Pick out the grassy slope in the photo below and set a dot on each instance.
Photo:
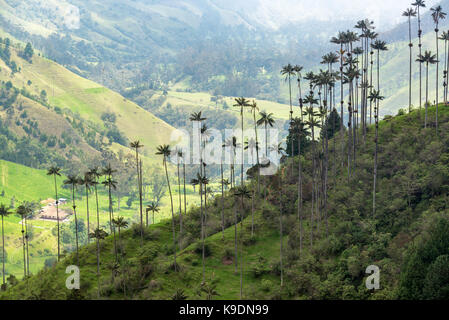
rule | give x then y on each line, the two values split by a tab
68	90
264	250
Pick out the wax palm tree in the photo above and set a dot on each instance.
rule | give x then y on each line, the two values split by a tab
252	145
56	172
87	181
242	103
419	4
28	210
289	71
379	46
437	15
137	145
153	207
376	98
22	212
198	117
266	119
254	109
445	37
203	182
165	151
297	69
298	129
120	223
110	184
179	155
98	234
73	181
241	192
409	13
280	151
222	198
4	212
340	40
312	122
427	58
95	174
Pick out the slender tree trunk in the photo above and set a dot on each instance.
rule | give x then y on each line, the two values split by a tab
27	248
427	93
184	181
172	215
281	228
180	204
140	196
257	154
436	81
222	201
24	254
410	66
87	212
420	64
76	225
57	218
3	254
300	194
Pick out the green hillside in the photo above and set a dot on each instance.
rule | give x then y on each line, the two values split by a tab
409	228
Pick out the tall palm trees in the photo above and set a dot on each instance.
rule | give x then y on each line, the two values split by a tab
437	15
95	174
110	184
22	212
427	58
73	181
137	145
4	212
98	234
376	98
254	109
445	37
379	46
179	155
410	13
419	4
56	172
280	151
153	207
242	192
165	151
243	103
87	182
340	39
289	71
266	119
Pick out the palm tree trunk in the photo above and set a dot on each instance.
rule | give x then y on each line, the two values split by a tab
172	215
98	212
111	217
87	211
427	93
299	194
98	265
3	253
24	254
222	201
57	217
235	233
436	81
27	248
76	225
140	197
184	181
257	154
420	64
180	204
410	66
281	229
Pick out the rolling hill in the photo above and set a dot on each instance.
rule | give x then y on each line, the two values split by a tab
406	238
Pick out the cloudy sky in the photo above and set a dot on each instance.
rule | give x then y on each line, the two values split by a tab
385	13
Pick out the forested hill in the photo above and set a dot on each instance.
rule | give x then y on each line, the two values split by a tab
318	252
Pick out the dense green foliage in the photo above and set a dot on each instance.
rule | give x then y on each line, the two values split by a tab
407	238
